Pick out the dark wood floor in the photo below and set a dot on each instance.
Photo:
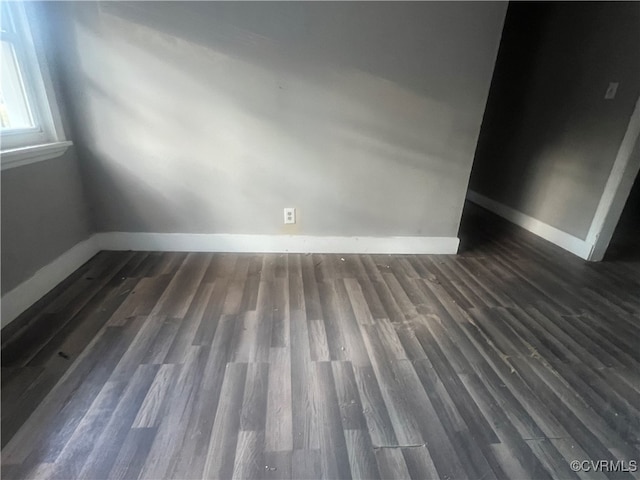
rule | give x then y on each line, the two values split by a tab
505	362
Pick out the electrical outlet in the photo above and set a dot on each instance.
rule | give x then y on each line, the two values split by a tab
612	89
289	215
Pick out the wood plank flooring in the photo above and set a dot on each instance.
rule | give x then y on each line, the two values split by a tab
507	361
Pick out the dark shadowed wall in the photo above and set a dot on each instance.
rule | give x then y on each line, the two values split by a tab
44	214
549	138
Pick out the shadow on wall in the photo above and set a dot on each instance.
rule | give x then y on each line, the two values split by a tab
195	124
549	139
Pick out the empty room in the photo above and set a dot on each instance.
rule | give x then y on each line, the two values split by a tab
320	240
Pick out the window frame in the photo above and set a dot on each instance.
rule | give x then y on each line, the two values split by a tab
47	138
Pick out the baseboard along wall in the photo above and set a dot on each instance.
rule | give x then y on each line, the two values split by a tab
575	245
19	299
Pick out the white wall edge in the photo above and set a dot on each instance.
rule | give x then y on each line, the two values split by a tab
237	243
616	190
575	245
19	299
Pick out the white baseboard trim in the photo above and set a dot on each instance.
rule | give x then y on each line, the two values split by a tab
44	280
194	242
575	245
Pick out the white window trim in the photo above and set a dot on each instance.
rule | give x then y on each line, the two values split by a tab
17	157
52	142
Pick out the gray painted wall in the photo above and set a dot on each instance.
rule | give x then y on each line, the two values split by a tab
44	211
549	138
210	117
44	214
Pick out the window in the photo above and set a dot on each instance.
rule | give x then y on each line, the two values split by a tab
29	120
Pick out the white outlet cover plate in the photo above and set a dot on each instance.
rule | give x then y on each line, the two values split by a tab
289	215
612	89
